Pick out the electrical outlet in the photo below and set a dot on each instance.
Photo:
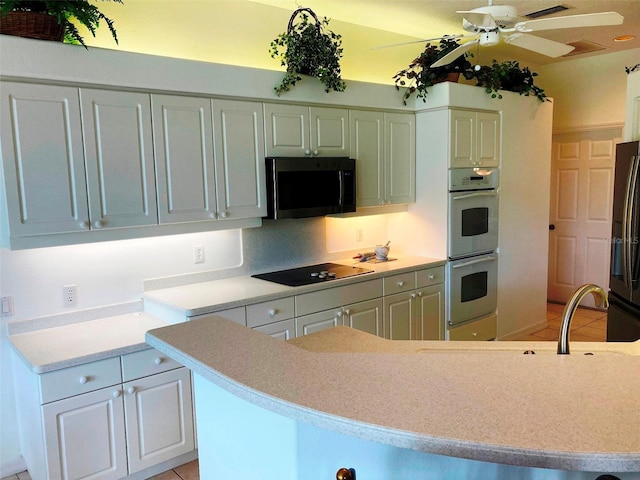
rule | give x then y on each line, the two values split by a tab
359	234
70	295
198	254
7	306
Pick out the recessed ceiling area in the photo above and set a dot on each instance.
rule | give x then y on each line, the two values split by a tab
238	32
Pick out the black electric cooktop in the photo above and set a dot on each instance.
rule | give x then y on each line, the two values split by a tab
295	277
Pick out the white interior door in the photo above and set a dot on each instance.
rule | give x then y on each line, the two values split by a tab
582	166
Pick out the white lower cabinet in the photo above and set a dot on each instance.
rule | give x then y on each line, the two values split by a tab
366	316
85	436
106	419
416	312
158	416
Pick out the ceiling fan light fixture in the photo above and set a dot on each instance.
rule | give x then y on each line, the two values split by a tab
488	39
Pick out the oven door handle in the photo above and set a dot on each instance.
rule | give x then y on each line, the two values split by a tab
492	193
474	262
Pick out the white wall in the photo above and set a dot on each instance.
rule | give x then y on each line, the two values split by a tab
589	91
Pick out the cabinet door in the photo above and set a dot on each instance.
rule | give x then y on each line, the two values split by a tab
85	436
119	158
400	158
430	314
488	139
287	130
239	153
183	139
159	418
462	138
365	316
366	130
329	131
282	330
399	321
43	159
318	321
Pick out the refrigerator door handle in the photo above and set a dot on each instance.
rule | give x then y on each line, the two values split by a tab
627	230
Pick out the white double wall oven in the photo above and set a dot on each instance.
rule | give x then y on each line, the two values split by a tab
472	244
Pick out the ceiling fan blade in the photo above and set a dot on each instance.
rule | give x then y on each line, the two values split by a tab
572	21
479	20
452	55
425	40
546	47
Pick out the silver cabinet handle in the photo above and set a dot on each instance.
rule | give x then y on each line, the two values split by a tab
98	224
83	379
158	361
401	283
131	390
272	312
116	393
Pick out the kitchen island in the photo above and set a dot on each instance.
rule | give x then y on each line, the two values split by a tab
270	409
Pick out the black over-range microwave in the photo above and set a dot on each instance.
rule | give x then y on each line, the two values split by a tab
299	187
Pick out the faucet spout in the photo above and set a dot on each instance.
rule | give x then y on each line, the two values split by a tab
600	297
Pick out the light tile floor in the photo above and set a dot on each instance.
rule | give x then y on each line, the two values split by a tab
587	326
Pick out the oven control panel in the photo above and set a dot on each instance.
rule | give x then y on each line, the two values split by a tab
473	179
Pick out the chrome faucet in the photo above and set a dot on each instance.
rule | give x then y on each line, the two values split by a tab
600	297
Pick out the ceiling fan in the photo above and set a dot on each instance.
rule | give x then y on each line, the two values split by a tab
492	23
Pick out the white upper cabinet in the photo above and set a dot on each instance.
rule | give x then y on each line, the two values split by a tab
119	158
209	157
367	147
474	139
43	159
240	165
383	145
183	136
294	130
400	153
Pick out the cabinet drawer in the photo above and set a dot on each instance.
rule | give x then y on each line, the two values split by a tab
484	329
269	312
81	379
402	282
337	297
430	276
145	363
236	314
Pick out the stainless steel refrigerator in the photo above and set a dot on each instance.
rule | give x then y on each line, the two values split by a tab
623	321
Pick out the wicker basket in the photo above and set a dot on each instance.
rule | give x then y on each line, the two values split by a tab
32	25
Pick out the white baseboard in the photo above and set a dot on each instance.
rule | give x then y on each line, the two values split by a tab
524	331
12	467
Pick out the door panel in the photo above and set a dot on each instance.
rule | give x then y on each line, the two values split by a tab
183	137
119	148
158	414
43	159
85	436
582	181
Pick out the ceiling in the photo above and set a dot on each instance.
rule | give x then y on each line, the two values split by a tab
238	32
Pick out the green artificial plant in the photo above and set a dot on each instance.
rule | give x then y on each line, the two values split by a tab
81	11
309	48
508	76
419	75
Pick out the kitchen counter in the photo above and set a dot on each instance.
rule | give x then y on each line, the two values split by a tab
53	348
457	399
206	297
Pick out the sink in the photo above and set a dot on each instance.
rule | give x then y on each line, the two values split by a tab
537	348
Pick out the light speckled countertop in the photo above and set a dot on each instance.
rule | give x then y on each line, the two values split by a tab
569	412
206	297
53	348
